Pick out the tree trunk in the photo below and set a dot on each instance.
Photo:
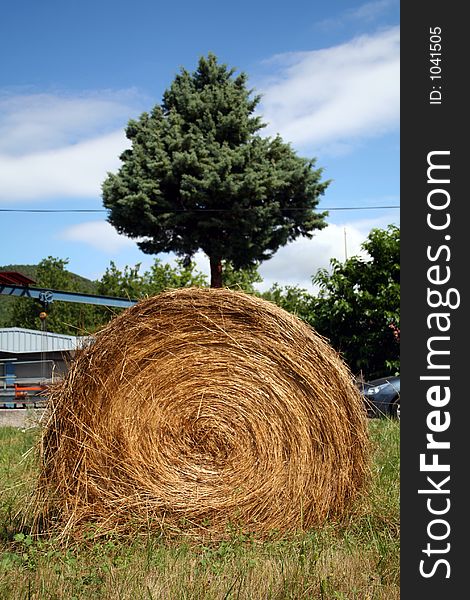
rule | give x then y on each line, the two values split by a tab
216	272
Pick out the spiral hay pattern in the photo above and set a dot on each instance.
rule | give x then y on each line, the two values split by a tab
199	410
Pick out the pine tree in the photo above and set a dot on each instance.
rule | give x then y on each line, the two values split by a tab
199	175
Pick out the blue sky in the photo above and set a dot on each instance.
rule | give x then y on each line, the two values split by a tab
73	73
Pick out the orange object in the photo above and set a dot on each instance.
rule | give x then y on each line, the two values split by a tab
22	391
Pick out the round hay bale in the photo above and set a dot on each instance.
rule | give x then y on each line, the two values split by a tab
202	410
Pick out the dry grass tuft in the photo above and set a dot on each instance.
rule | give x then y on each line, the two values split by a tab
201	410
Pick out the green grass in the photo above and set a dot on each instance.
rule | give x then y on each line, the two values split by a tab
357	559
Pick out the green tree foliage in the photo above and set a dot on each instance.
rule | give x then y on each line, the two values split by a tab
358	307
130	283
62	317
76	319
292	298
241	279
199	176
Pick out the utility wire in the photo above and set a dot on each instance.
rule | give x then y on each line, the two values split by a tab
182	210
51	210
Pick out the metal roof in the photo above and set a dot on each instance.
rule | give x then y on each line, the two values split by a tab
15	277
15	340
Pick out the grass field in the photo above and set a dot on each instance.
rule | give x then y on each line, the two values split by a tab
355	559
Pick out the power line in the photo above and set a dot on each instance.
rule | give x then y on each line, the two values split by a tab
52	210
182	210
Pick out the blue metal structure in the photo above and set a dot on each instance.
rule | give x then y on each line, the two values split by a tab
17	285
47	296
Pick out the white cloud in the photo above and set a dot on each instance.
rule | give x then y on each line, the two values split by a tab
295	263
100	235
364	13
54	146
335	95
71	171
369	11
32	123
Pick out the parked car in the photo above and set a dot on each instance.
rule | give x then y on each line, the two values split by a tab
382	396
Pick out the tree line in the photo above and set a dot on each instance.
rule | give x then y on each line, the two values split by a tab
356	307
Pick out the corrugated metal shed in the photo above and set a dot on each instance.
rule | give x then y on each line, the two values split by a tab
16	340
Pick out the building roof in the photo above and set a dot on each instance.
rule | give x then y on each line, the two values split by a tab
8	277
16	340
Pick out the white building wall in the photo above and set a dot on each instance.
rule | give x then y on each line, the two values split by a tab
15	340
